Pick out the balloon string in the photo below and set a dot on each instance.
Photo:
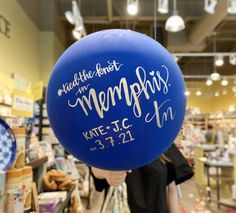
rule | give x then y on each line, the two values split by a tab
155	20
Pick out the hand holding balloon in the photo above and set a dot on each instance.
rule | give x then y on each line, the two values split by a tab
113	178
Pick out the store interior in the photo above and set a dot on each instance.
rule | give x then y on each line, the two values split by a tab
42	176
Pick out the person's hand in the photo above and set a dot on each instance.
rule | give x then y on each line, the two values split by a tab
114	178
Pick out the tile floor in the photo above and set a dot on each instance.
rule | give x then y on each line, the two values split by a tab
193	200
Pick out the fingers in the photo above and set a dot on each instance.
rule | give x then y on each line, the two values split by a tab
116	178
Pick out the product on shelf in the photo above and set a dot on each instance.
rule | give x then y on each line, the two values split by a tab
47	149
71	168
7	146
2	188
14	184
27	186
48	201
61	164
57	180
20	147
14	179
14	201
83	182
76	204
35	151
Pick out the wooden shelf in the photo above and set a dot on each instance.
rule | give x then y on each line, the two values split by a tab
5	105
61	206
38	162
228	203
7	116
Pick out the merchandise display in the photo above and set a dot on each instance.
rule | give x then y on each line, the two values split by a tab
118	106
7	146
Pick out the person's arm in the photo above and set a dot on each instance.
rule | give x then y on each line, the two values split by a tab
113	178
172	198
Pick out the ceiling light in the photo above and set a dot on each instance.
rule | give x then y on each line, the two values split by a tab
215	76
217	94
187	93
231	108
234	88
174	23
224	92
132	7
232	6
70	17
209	82
219	60
176	58
224	82
198	93
77	34
75	18
232	59
163	6
210	6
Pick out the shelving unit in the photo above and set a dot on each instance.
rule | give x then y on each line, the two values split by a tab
5	105
198	121
36	163
42	118
39	169
5	110
61	206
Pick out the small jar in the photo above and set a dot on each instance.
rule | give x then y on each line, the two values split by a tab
14	179
14	202
14	183
27	186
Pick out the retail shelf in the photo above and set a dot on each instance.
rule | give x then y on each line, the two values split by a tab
38	162
228	203
5	105
61	206
46	125
7	116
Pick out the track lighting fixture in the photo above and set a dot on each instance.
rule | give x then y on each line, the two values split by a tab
219	60
174	23
132	7
163	6
210	5
75	18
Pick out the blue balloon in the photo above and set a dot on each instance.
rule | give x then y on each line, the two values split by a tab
116	99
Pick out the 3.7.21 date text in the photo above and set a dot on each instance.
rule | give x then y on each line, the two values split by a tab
124	137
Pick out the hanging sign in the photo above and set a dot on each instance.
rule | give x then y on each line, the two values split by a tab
22	104
37	90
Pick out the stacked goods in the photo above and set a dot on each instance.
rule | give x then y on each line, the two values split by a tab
57	180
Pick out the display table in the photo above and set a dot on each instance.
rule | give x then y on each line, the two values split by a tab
61	206
228	203
218	165
199	152
207	148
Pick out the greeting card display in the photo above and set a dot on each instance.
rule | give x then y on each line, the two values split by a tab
116	100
